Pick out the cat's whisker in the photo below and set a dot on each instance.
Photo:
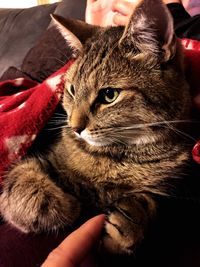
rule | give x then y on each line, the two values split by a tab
58	117
116	140
60	114
110	139
57	59
59	127
180	133
57	120
118	129
124	136
56	49
159	123
119	141
55	124
128	132
51	125
64	121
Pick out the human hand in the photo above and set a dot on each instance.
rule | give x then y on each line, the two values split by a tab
77	246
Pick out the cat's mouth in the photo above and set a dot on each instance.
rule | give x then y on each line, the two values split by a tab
94	140
99	140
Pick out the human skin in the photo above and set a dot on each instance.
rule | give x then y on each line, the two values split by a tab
172	1
104	12
77	246
112	12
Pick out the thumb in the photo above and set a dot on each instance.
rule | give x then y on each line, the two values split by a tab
77	245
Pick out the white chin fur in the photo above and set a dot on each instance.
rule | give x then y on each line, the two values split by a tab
91	140
140	140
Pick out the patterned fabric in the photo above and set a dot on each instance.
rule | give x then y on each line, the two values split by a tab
192	61
25	107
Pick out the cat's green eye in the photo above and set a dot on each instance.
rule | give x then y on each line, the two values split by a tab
108	95
71	90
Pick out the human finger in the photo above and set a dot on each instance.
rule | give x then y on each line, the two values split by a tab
124	8
77	245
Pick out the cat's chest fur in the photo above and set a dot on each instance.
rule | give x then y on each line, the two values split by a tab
88	167
108	176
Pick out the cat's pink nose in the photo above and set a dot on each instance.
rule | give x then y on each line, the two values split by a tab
77	130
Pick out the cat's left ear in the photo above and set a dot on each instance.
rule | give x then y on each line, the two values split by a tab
150	30
75	32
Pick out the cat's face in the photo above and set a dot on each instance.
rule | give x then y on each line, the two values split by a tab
125	86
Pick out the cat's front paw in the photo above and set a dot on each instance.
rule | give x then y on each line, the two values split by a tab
37	204
122	235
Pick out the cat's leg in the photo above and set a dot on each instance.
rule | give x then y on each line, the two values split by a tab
33	203
127	223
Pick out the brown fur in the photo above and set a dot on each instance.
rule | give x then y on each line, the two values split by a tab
123	168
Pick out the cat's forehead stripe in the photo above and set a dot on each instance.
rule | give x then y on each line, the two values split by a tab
95	65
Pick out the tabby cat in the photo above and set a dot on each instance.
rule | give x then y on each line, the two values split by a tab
125	97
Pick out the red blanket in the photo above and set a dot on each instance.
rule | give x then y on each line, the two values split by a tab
26	106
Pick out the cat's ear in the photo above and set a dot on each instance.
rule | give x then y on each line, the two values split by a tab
75	32
150	30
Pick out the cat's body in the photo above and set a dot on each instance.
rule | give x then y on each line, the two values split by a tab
125	96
